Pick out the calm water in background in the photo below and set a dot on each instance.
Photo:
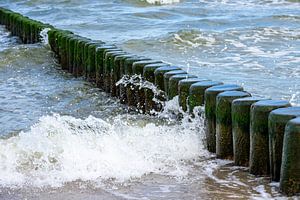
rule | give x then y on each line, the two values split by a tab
62	138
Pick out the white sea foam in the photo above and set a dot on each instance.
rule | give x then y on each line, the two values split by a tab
193	38
160	2
44	35
60	149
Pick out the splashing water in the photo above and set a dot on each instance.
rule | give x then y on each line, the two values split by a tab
141	83
60	149
44	35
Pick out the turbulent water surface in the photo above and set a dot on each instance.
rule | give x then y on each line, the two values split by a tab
61	138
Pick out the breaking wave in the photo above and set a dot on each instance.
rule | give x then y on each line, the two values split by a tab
60	149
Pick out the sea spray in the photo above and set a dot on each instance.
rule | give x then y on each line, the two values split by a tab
44	35
61	149
141	83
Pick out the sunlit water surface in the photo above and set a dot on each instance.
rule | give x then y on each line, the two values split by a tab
61	138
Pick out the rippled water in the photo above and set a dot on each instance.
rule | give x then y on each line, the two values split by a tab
64	139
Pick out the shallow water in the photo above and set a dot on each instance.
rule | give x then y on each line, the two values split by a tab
64	139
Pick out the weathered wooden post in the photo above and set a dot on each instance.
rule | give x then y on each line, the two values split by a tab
99	63
183	91
196	93
241	129
71	51
109	70
210	112
25	30
277	121
167	77
62	44
108	56
78	69
159	76
224	141
16	18
91	60
290	167
259	163
52	39
173	84
68	51
115	62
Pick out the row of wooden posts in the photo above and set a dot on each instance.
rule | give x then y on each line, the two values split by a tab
258	133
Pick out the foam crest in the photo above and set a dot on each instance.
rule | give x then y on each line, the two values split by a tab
193	38
60	149
161	2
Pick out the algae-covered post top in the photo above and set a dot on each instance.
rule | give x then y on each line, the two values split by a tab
128	64
167	76
196	93
119	59
159	75
149	70
138	67
183	90
173	83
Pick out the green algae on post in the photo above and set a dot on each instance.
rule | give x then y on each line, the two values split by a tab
52	40
196	93
79	57
91	64
224	142
210	112
138	67
149	70
183	91
240	112
290	167
159	75
168	75
259	163
62	50
173	84
72	51
89	57
99	63
277	121
108	56
114	73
